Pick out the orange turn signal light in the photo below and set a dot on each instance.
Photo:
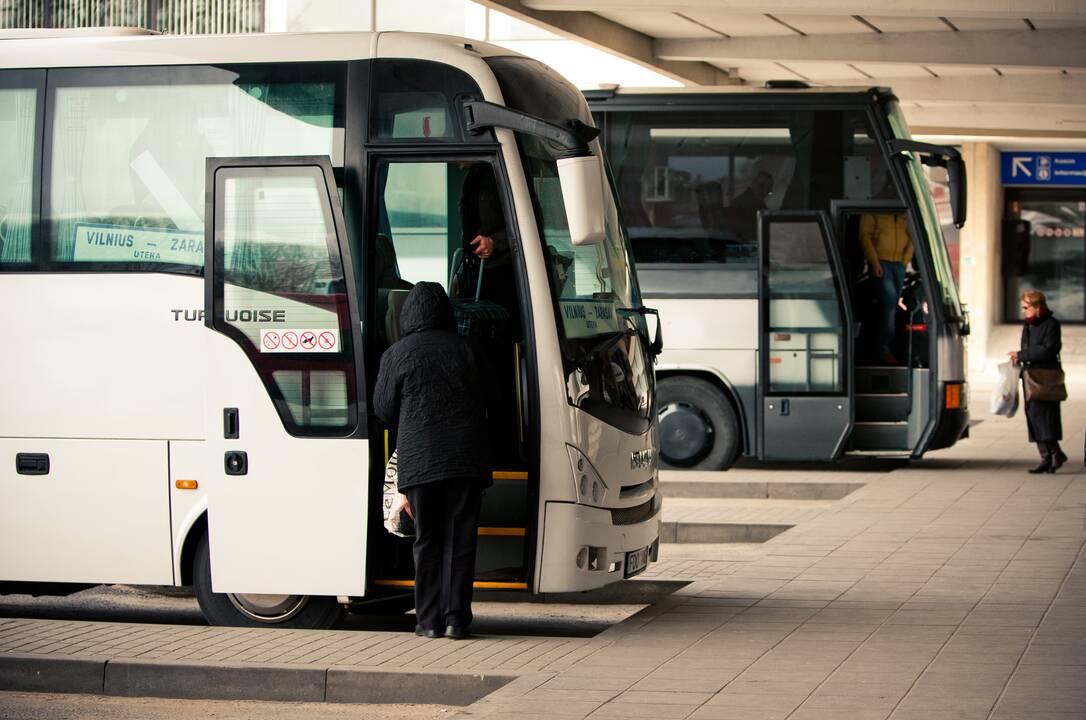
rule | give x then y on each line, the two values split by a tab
953	396
186	484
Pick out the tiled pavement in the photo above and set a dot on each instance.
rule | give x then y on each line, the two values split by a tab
954	587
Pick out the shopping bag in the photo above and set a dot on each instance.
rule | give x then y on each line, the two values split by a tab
395	508
1005	395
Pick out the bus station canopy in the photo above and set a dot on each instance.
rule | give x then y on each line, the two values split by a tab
963	67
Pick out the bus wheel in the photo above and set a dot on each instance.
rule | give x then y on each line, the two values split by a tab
308	612
698	427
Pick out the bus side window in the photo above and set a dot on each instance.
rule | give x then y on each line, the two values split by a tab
126	166
19	150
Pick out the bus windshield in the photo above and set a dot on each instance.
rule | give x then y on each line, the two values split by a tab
603	333
944	273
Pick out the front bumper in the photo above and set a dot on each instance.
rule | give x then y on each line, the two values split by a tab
569	528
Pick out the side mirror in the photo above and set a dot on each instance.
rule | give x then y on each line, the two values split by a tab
657	345
965	327
940	156
955	170
582	193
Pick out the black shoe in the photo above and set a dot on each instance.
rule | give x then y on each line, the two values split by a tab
456	632
1057	462
424	632
1044	467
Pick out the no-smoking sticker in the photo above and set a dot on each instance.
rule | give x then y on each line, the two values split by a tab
299	341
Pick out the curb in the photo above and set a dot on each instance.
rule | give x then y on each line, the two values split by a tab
753	490
709	532
222	681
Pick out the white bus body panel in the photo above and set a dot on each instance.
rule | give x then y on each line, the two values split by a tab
104	377
99	516
101	356
707	324
188	461
296	522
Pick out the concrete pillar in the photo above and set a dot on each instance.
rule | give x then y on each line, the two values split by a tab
981	267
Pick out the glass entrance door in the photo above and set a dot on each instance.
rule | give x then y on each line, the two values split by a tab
1044	248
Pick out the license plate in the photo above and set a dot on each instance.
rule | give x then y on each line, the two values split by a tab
636	562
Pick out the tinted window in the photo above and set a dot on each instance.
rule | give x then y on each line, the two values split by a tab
19	112
126	172
419	100
692	183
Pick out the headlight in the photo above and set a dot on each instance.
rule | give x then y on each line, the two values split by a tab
587	483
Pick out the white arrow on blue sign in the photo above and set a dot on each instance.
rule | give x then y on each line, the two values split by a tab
1018	165
1023	167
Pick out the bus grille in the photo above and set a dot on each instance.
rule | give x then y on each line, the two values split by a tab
634	515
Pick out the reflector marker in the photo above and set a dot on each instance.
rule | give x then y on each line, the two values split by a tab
509	475
480	584
502	531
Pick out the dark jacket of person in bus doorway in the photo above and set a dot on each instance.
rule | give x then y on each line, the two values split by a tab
432	388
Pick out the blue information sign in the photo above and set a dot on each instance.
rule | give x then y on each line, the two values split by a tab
1043	168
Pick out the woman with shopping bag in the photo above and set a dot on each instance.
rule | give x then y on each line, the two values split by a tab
1042	380
431	388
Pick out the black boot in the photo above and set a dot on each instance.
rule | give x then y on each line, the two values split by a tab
1057	458
1046	460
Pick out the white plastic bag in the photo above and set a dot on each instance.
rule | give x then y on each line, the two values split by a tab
396	510
1005	395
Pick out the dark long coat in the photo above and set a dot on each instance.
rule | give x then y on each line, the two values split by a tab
1041	343
433	389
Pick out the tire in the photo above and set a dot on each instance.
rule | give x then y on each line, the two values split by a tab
305	612
698	426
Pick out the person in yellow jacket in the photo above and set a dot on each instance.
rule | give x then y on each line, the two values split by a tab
888	249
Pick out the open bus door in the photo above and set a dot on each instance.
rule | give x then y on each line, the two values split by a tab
286	422
806	339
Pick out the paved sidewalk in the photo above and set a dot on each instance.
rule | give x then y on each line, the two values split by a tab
954	587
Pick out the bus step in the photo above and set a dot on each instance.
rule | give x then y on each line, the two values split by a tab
882	407
478	584
891	454
882	380
880	436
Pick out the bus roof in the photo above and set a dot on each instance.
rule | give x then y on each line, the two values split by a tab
98	47
39	33
630	92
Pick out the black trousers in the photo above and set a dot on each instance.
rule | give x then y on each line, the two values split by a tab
446	524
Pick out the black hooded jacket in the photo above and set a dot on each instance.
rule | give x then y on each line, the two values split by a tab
432	389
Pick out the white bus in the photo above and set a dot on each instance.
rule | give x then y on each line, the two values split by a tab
205	245
746	209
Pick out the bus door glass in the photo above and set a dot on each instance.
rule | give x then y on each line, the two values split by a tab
289	457
806	339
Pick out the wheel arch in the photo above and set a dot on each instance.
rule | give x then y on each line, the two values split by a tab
188	548
720	382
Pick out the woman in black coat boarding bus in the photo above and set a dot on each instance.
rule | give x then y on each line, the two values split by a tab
432	389
1040	350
